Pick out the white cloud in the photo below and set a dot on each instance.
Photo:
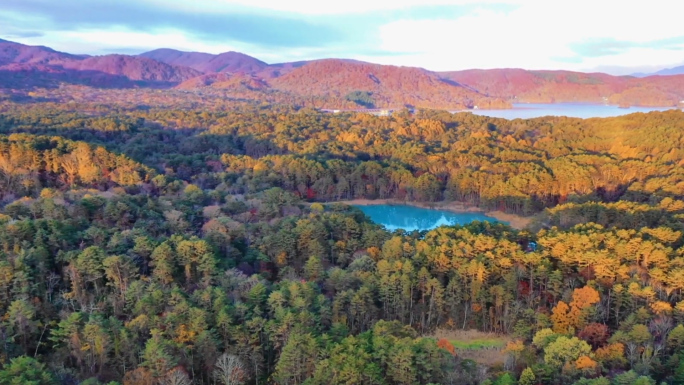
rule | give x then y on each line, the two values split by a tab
535	35
113	41
324	7
104	40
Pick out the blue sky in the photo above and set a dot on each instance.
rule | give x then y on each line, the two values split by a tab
602	35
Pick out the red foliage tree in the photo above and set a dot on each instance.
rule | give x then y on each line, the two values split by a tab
595	334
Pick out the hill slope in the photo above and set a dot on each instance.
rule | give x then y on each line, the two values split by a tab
389	86
671	71
330	82
134	68
204	62
11	52
37	66
565	86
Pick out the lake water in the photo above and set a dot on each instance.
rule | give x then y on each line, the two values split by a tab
576	110
410	218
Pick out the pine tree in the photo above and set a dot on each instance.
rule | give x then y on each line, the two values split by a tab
527	377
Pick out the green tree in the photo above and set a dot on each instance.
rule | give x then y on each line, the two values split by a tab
313	269
157	356
565	350
505	379
25	371
527	377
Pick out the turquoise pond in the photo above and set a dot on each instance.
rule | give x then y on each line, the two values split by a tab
410	218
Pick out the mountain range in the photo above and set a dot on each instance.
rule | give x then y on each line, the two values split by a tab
330	83
664	72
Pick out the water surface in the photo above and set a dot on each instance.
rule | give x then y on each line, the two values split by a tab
576	110
410	218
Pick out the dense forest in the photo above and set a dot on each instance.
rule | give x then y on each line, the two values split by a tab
202	242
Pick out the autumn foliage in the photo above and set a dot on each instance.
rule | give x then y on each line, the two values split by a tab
571	317
443	343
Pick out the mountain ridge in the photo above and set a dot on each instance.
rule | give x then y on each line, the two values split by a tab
230	61
331	83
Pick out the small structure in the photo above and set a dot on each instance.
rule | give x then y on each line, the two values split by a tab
384	112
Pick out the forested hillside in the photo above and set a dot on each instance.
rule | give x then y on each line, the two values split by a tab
182	238
326	83
567	87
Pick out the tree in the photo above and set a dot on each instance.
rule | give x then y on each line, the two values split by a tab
612	355
175	376
595	334
21	316
229	370
139	376
675	338
163	263
586	364
564	350
505	379
25	371
527	377
679	373
119	271
156	356
362	98
543	338
297	361
313	268
400	366
443	343
574	315
632	378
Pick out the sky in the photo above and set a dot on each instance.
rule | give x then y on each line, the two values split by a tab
618	37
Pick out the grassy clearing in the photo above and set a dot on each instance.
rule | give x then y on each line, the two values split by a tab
484	348
478	344
472	339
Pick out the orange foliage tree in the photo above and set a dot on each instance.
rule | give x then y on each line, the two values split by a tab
566	316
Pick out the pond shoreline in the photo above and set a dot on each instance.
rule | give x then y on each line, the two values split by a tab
516	221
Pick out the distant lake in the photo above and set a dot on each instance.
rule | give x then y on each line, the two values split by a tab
576	110
410	218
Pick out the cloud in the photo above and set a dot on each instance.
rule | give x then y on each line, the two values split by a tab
22	34
263	29
221	21
334	8
434	34
610	46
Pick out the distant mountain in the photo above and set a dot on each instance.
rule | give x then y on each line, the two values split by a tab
179	58
204	62
526	86
37	66
20	76
388	86
664	72
11	52
331	83
134	68
671	71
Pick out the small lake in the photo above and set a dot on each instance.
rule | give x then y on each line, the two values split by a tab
575	110
410	218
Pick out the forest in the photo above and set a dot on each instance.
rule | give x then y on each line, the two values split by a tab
182	239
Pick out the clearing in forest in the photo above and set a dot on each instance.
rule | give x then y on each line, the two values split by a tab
484	348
